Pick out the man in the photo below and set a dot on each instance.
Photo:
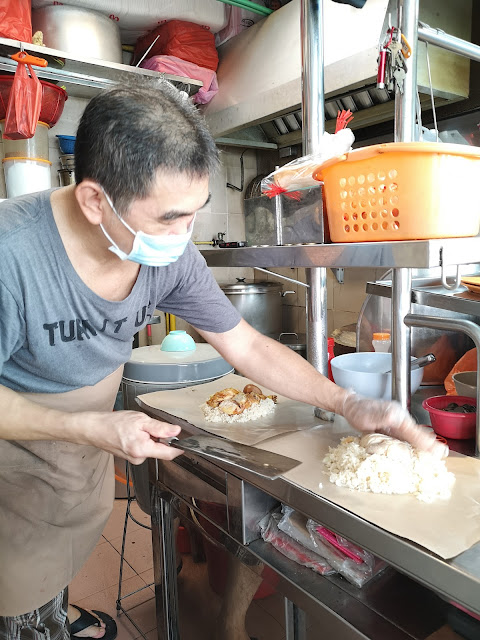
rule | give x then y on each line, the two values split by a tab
82	269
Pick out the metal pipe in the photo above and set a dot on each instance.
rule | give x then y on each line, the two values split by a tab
443	40
313	116
405	131
406	100
277	275
401	304
468	327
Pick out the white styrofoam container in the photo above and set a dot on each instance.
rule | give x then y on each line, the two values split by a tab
136	17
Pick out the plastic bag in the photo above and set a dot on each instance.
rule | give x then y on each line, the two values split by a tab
16	20
175	66
298	174
290	548
238	21
352	562
184	40
24	104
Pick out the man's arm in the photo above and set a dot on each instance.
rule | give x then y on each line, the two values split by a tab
127	434
269	363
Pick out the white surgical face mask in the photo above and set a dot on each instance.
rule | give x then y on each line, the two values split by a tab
153	251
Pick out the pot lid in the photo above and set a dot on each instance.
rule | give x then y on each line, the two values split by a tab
249	286
150	364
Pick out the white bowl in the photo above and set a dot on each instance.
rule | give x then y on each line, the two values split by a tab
364	372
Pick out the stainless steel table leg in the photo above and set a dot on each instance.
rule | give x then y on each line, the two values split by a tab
401	304
295	622
164	565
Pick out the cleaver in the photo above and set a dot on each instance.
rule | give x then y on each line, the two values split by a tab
262	463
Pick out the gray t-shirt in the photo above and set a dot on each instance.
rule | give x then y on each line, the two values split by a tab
56	334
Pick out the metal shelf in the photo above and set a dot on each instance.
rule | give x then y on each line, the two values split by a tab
419	254
460	301
82	76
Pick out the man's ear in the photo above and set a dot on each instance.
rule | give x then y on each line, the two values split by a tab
91	200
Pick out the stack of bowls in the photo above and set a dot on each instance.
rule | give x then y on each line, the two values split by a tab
66	173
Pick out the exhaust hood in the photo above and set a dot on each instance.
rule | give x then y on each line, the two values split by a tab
259	75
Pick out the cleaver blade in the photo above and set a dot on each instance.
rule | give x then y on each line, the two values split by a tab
262	463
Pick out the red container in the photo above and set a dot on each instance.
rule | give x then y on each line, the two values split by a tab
53	100
458	426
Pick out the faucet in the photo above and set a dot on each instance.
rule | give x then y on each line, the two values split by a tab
468	327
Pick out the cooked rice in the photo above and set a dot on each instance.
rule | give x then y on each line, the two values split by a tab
418	473
258	410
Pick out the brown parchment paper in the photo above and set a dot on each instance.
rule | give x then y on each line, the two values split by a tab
185	403
445	527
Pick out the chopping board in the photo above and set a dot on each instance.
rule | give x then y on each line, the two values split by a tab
288	415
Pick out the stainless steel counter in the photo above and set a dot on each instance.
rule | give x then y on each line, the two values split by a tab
418	254
457	580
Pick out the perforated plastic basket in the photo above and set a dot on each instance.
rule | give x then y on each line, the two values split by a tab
403	191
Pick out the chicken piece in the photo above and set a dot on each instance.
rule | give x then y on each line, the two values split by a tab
230	408
387	446
245	400
251	388
220	396
274	398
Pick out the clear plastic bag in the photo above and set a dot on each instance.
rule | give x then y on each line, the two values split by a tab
304	530
355	564
297	174
290	548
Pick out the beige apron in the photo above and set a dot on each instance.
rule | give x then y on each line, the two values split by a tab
55	498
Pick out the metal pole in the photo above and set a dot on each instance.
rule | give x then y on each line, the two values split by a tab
450	43
313	117
164	564
405	131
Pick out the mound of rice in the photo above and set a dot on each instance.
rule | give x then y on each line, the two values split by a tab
259	410
393	467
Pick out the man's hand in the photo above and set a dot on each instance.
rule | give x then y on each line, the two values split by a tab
128	434
388	417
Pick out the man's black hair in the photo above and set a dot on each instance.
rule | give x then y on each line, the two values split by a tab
129	132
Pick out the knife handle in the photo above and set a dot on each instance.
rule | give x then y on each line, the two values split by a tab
167	441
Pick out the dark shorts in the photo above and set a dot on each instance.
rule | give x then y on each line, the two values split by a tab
49	622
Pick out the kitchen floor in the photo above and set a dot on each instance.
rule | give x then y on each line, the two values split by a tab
96	585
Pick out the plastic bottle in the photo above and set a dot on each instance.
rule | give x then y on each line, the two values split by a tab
381	342
330	343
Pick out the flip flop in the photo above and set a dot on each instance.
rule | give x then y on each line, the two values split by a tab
86	620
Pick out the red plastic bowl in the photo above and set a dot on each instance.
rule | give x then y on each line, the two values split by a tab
459	426
53	100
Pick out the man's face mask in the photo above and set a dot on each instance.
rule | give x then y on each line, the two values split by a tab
153	251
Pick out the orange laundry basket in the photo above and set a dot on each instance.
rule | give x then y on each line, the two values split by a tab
402	191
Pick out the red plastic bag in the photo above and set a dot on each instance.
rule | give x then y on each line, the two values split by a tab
185	40
24	104
16	20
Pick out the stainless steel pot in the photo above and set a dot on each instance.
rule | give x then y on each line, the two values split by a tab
259	303
78	31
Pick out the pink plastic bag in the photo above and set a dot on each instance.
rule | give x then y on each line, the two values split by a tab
178	67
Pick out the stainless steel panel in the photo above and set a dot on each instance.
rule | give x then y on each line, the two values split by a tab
420	254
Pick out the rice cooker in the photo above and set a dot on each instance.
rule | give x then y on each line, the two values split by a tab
151	369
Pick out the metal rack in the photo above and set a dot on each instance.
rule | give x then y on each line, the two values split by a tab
82	76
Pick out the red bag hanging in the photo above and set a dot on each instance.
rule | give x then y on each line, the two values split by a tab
185	40
24	104
16	20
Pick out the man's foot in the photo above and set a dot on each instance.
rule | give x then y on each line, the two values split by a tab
91	624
